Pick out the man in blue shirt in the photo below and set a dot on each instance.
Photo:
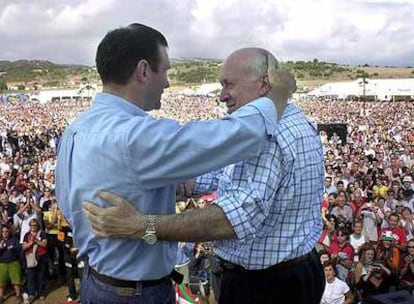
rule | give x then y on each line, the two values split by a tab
267	216
117	146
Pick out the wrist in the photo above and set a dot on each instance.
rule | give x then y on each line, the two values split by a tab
139	229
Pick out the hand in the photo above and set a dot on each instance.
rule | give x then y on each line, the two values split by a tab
121	220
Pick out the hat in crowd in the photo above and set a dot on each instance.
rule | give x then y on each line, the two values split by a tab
387	236
407	179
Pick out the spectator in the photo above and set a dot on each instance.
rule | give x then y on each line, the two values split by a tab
357	239
329	188
399	235
343	212
343	253
7	210
388	252
366	259
35	241
378	280
407	222
336	291
407	268
370	217
10	268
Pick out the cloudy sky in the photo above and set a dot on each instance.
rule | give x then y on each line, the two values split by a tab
377	32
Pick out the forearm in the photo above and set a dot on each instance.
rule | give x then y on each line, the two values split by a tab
198	225
42	243
349	298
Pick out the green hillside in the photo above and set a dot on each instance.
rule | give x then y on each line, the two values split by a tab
187	72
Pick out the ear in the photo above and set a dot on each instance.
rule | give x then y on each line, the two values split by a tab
265	86
141	72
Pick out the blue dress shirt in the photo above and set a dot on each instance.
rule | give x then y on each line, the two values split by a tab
272	200
115	145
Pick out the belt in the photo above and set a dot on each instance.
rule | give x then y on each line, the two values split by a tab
124	283
278	267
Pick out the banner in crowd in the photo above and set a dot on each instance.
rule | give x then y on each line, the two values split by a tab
13	98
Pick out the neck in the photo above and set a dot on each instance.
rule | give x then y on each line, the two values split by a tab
330	280
125	92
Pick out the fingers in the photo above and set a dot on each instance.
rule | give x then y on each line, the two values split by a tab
91	209
112	198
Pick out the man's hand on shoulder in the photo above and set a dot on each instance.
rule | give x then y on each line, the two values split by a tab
121	220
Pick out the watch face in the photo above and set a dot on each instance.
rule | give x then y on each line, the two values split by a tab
150	238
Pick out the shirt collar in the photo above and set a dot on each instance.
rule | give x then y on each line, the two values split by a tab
266	108
118	102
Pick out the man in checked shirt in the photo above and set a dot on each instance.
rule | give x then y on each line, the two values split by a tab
266	220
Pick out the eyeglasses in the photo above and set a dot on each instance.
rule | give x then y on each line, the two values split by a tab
33	225
5	231
410	247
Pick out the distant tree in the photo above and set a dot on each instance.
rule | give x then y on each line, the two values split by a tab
84	79
21	87
366	65
315	61
412	72
3	85
300	75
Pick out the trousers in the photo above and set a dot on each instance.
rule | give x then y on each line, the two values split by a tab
302	283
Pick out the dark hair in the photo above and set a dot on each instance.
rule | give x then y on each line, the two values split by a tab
324	251
329	263
344	231
121	49
395	215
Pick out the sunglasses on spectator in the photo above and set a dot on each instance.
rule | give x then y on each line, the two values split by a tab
33	225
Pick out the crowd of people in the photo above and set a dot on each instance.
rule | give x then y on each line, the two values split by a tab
367	242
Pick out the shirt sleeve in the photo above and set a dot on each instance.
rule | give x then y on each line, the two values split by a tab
207	182
161	152
245	192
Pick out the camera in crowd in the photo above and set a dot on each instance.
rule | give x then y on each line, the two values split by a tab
376	267
205	248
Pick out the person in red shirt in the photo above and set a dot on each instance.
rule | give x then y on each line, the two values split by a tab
343	253
399	235
357	202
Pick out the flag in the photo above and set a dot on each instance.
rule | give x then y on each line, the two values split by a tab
185	296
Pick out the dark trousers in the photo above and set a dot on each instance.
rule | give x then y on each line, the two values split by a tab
72	272
302	283
55	253
36	277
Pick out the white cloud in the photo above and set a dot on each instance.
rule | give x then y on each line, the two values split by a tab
347	31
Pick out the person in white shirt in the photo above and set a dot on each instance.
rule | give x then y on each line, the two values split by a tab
357	239
336	291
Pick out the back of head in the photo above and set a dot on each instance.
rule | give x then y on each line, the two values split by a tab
121	49
261	62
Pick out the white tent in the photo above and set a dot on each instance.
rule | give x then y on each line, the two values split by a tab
382	89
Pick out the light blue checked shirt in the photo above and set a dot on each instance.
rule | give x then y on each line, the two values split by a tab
273	201
115	145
